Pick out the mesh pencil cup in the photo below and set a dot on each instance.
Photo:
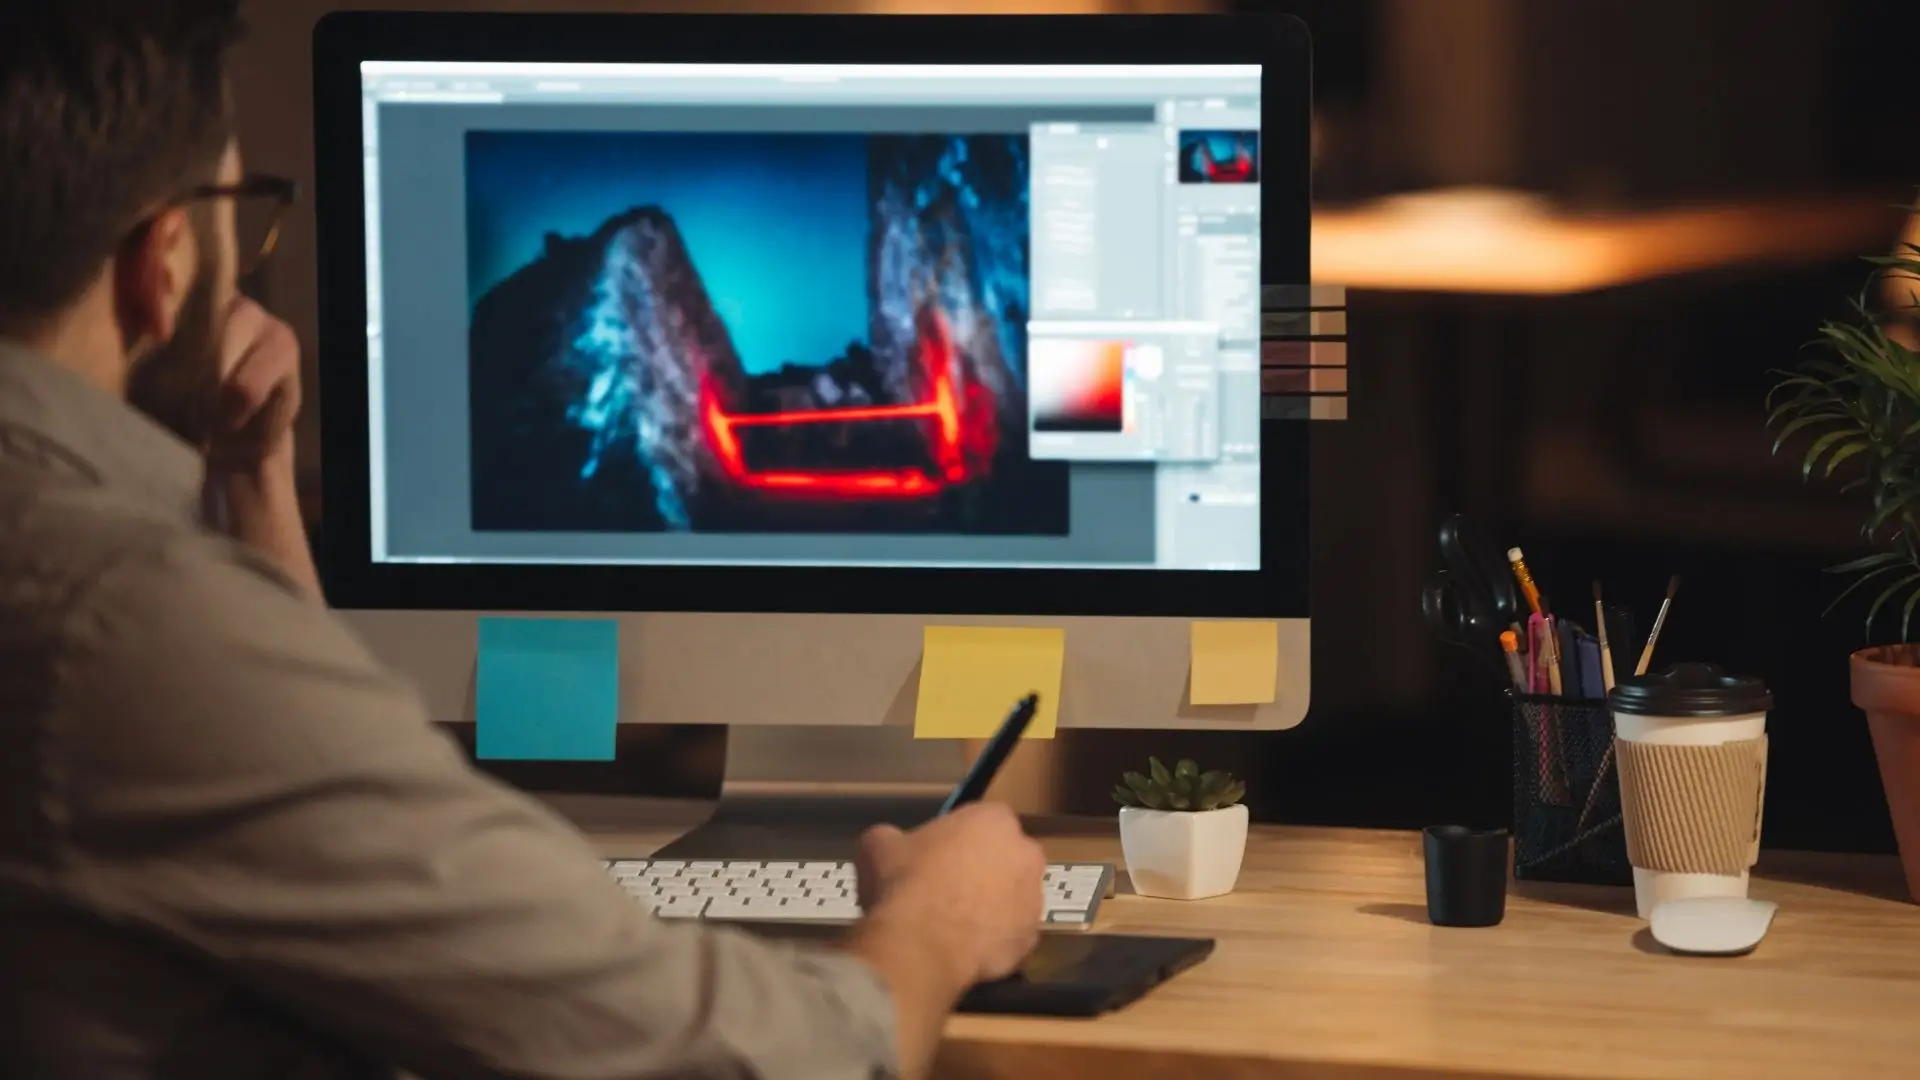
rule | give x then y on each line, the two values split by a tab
1566	793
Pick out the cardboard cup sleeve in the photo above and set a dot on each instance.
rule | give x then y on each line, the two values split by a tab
1693	809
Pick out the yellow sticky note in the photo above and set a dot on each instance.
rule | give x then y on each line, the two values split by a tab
1235	663
971	677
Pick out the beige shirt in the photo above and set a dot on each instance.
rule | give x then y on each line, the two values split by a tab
232	846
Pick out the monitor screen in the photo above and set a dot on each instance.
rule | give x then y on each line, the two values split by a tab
929	316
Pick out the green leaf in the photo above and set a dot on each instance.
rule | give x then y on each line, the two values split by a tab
1879	559
1234	793
1845	452
1800	424
1153	800
1906	616
1186	768
1806	403
1161	777
1184	785
1137	782
1125	796
1885	508
1213	781
1894	563
1888	594
1819	449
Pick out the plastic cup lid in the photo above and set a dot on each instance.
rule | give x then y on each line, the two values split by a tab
1691	690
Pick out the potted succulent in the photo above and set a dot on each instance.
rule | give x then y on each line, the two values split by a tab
1857	402
1183	831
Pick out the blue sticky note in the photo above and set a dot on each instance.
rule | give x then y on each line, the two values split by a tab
547	689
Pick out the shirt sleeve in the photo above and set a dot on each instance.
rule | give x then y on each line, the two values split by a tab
243	779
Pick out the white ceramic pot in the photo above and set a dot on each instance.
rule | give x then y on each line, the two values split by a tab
1182	855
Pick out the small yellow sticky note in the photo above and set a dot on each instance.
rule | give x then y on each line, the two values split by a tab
1235	663
971	677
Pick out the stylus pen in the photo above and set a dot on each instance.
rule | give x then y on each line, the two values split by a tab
973	787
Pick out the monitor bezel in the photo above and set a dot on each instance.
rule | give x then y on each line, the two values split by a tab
1279	589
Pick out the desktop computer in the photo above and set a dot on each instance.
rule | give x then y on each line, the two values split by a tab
784	338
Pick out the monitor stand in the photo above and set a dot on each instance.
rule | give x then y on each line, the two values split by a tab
808	793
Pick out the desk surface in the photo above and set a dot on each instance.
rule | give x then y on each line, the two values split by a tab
1326	967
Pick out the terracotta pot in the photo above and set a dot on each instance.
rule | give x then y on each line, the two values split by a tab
1886	683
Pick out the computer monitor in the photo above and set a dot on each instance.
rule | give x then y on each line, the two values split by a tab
791	335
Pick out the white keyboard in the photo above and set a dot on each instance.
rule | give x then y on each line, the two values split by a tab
817	892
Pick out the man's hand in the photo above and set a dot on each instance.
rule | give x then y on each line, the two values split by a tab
951	904
971	879
259	394
250	448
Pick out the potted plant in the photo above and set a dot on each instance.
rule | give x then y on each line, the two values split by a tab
1183	831
1858	402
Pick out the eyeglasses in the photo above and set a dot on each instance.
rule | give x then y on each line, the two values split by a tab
260	204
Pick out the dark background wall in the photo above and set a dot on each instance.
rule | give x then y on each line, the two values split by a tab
1616	435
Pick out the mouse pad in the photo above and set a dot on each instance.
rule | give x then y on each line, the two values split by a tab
1067	974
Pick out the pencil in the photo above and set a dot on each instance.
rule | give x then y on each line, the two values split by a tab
1525	577
1659	623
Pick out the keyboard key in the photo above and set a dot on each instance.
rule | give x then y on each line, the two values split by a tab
681	907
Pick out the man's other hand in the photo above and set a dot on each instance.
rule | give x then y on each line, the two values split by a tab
259	393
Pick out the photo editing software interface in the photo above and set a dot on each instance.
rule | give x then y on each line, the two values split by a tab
814	315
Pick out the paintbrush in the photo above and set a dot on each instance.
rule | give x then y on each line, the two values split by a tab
1606	651
1659	623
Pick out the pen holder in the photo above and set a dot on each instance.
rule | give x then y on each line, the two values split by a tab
1566	793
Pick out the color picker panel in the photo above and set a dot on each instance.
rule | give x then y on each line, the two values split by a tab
1078	386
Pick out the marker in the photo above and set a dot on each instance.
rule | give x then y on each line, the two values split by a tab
973	787
1510	644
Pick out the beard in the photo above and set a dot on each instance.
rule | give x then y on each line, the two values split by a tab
178	383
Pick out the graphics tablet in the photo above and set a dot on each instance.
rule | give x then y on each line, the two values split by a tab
1087	975
1067	975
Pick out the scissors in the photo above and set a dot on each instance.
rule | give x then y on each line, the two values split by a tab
1474	598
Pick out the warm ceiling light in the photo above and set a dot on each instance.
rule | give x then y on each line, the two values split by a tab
1491	241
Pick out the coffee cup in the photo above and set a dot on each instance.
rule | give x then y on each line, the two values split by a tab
1690	744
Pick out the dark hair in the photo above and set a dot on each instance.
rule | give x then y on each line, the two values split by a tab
108	109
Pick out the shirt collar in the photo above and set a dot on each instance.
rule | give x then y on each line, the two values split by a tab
55	417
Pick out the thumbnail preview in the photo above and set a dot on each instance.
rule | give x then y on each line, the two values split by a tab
752	333
1219	157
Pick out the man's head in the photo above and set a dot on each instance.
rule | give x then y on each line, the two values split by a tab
115	119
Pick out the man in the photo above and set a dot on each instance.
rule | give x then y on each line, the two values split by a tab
230	844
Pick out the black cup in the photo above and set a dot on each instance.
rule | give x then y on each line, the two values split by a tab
1466	876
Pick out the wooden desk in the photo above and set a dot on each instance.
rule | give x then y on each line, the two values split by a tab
1327	968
